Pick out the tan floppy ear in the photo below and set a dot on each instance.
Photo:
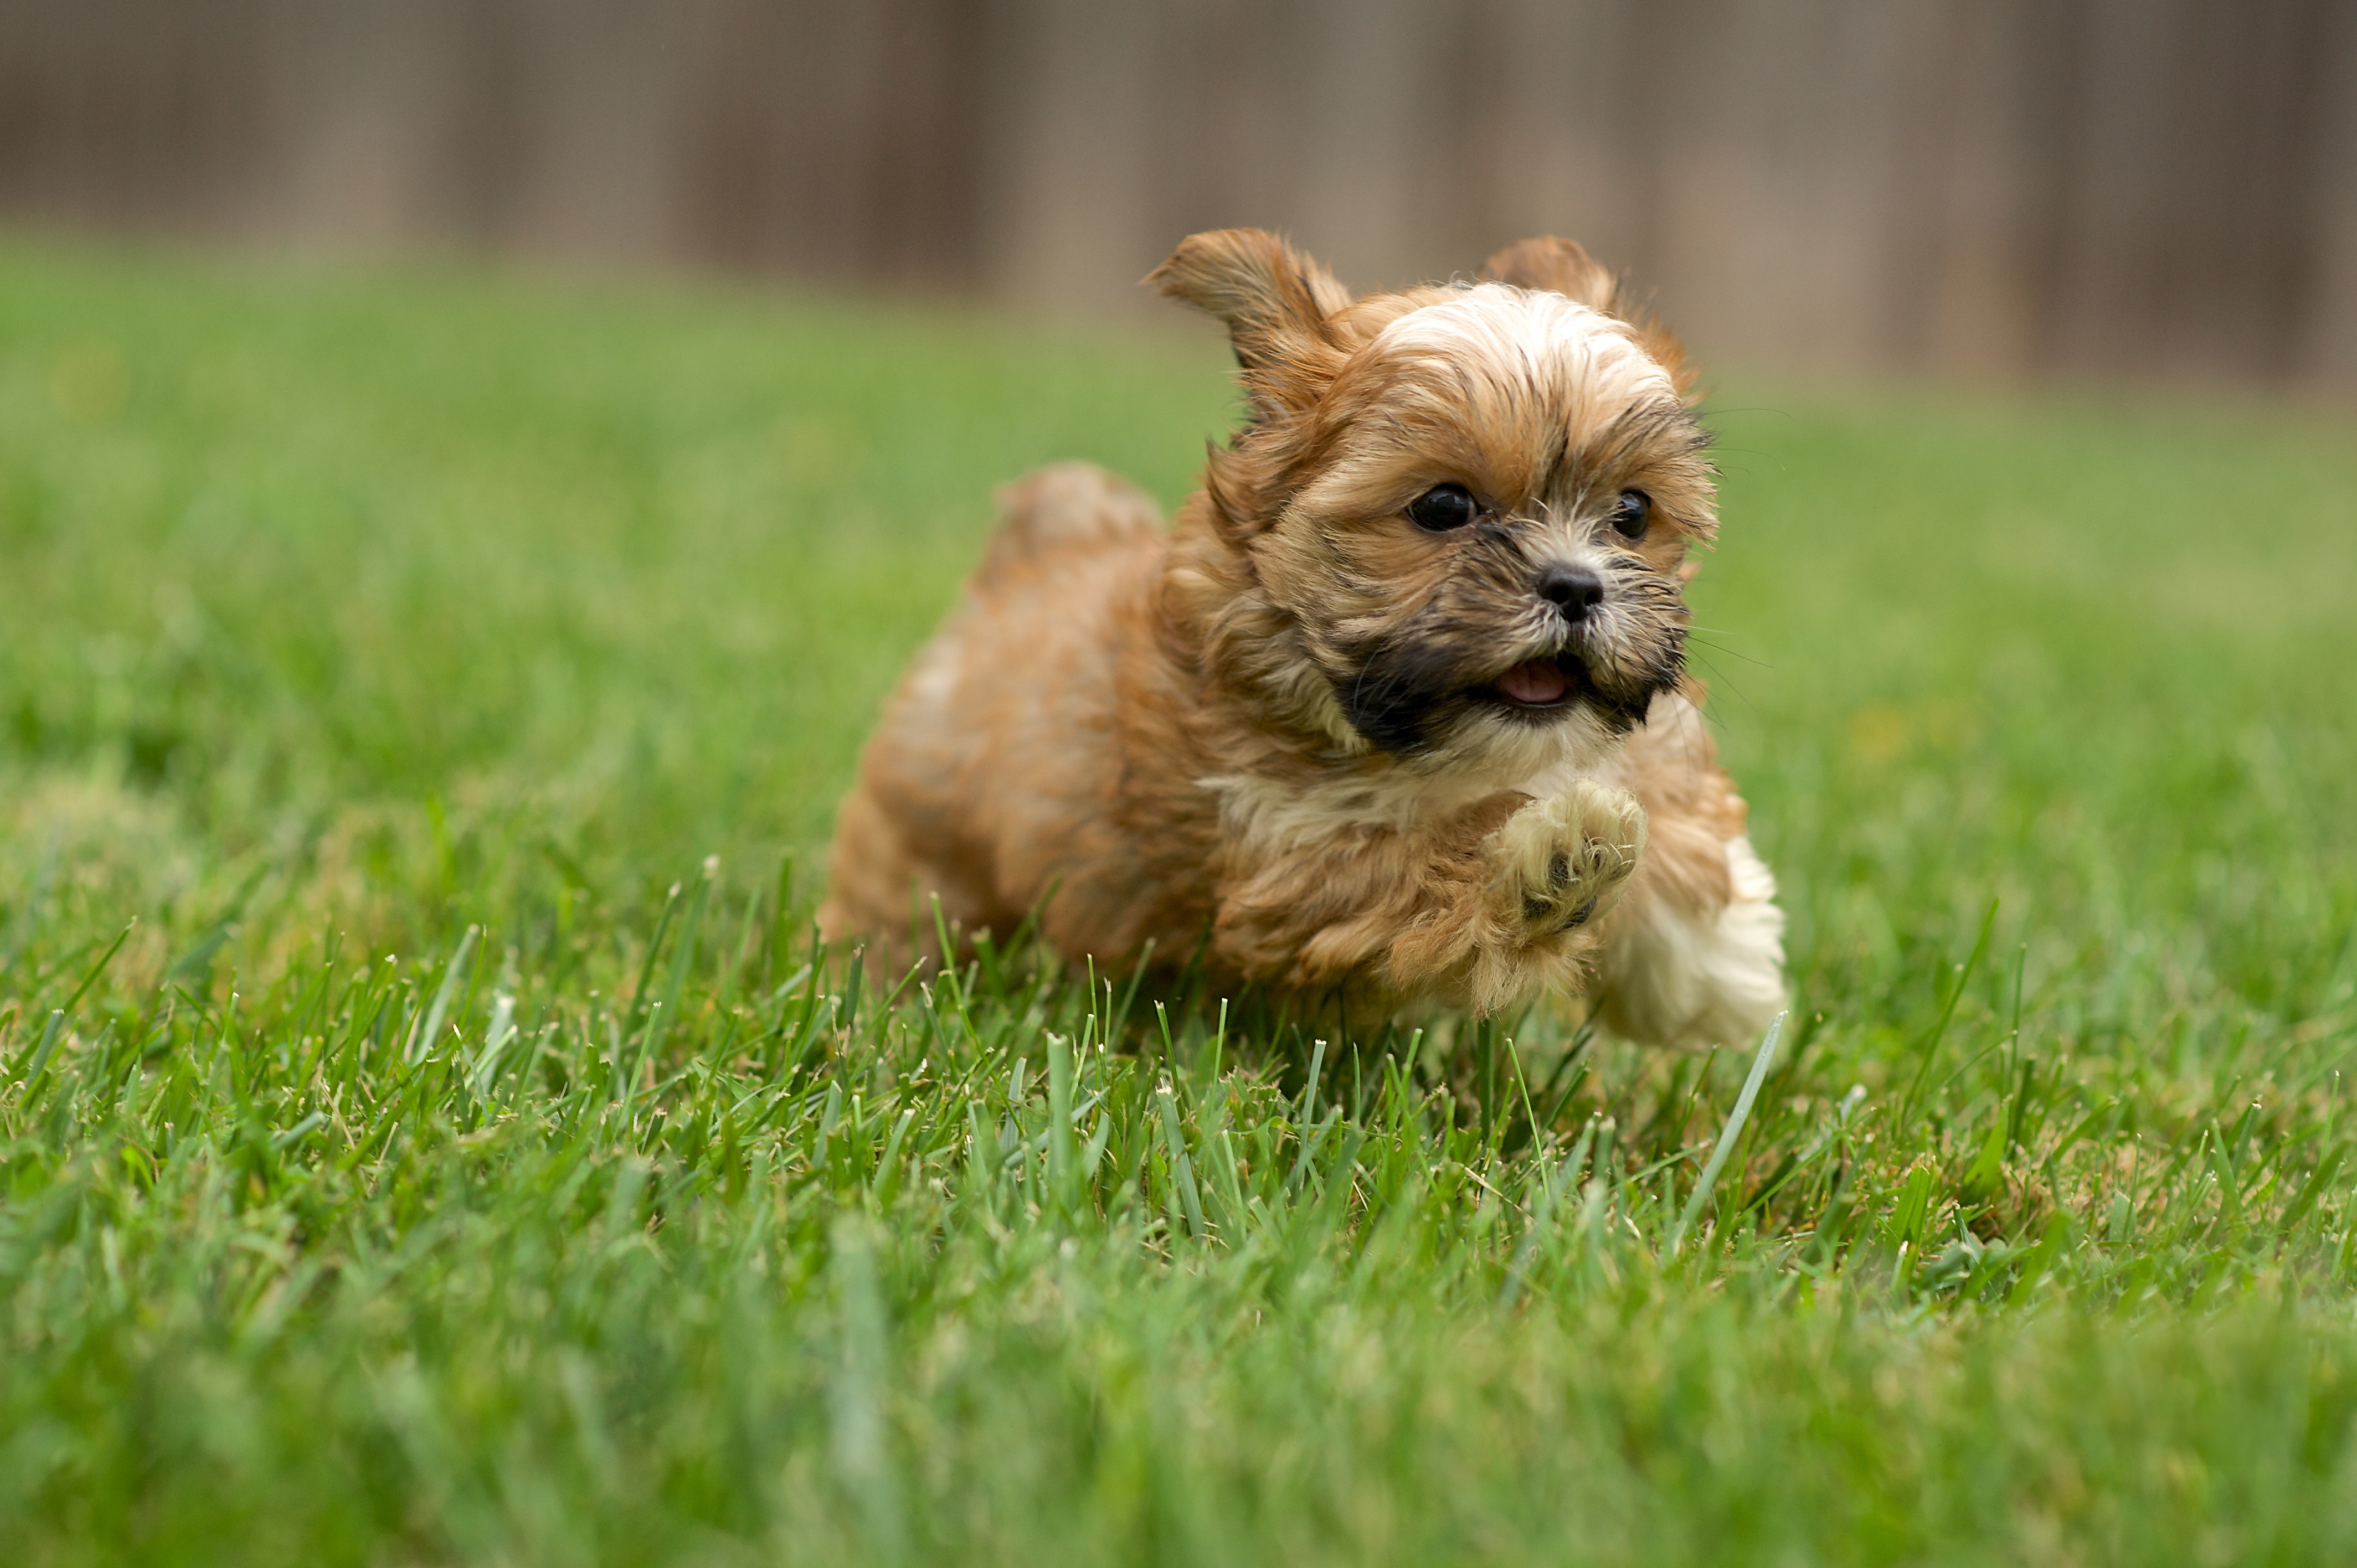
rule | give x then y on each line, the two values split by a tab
1277	302
1562	265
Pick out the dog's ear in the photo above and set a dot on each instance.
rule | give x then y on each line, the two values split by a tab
1562	265
1277	303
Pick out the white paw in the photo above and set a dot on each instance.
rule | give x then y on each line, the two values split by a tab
1671	979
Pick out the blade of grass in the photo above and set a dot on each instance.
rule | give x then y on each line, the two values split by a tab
1729	1133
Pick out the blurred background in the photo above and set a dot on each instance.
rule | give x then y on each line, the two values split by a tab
2149	188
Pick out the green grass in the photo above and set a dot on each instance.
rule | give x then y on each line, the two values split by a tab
452	1163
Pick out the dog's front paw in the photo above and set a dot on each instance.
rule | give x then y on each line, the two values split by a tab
1562	863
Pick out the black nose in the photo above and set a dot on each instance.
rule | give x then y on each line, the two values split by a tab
1574	590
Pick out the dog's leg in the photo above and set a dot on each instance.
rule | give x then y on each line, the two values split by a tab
1560	863
1476	913
880	893
1674	973
958	798
1554	871
1694	954
1479	918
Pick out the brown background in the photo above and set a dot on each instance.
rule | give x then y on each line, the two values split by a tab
2141	187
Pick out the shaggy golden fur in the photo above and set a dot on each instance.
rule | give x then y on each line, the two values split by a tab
1337	749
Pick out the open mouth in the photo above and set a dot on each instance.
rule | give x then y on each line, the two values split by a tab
1539	683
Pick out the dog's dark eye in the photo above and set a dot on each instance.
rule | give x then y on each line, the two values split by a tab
1442	507
1632	513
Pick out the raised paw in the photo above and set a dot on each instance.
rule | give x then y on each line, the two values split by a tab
1563	862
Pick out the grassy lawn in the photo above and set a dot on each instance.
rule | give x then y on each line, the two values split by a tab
428	1132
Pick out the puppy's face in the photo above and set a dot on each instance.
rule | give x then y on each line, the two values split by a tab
1465	509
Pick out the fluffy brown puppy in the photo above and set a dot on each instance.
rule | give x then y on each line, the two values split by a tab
1394	713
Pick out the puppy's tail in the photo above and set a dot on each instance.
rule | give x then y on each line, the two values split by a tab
1064	507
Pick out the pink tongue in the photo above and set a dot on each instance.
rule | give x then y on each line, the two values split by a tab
1538	682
